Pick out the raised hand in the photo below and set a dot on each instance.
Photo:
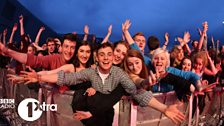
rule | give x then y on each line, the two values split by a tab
21	18
3	49
205	27
186	37
166	37
5	32
86	29
199	31
126	25
14	27
110	29
42	28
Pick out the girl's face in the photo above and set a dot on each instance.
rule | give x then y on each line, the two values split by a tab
119	53
198	64
180	55
30	50
83	54
134	65
160	62
186	66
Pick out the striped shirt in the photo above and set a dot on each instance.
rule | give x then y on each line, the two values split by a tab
116	76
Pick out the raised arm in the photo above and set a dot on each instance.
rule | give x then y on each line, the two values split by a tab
86	32
13	32
22	32
4	36
203	35
213	42
106	38
166	41
38	35
125	26
217	47
213	70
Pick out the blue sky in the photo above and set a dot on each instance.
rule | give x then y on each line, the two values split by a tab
148	16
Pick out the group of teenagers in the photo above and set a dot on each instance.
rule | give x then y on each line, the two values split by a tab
102	73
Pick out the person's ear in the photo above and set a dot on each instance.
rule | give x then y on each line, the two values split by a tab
97	58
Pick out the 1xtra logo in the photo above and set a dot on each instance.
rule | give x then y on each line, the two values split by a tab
30	109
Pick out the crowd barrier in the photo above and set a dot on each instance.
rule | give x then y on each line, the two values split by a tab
126	113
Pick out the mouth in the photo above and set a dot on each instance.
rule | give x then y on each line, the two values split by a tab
159	66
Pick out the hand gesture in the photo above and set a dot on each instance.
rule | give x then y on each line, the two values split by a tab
42	28
126	25
91	91
5	32
21	18
30	77
110	29
152	78
205	27
14	27
166	37
15	78
199	31
174	114
3	49
187	37
86	29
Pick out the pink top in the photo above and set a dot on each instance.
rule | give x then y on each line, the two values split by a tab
48	62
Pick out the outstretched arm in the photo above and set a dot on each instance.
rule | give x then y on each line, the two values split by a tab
13	32
21	57
38	35
106	38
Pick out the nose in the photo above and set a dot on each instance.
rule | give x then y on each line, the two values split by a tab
84	54
105	57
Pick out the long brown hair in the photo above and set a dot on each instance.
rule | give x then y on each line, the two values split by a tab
136	53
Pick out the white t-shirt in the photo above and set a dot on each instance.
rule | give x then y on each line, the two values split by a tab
103	76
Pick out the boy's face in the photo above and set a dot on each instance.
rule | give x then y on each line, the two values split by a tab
105	59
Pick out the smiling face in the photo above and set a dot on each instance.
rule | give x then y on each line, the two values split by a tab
105	59
160	62
198	65
83	54
68	49
186	66
134	65
119	53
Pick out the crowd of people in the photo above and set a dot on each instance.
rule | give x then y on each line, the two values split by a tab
107	71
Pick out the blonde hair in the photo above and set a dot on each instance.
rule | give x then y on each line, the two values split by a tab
159	51
201	55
